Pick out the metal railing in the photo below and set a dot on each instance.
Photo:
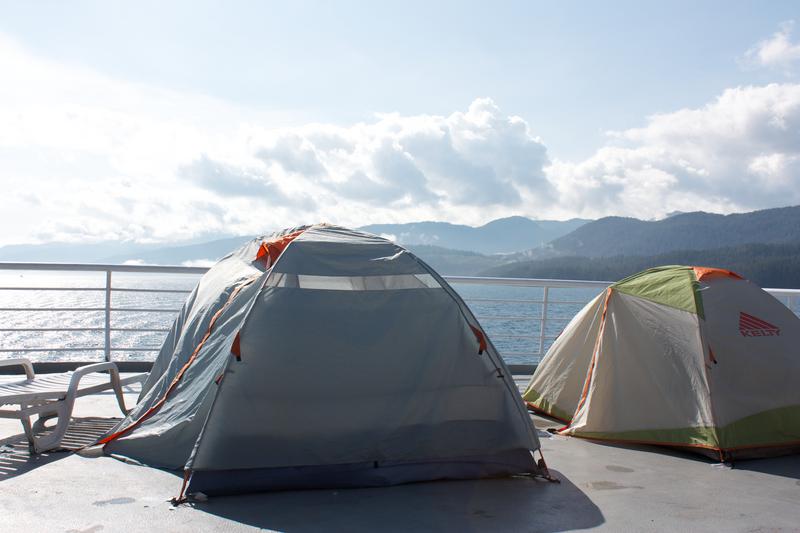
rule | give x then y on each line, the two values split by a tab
539	323
534	332
107	309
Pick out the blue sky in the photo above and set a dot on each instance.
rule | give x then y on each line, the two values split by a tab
462	111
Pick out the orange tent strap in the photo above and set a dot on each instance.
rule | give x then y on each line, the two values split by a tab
590	373
155	407
704	273
480	337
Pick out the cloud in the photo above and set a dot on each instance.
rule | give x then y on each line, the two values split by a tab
295	154
228	180
107	158
477	158
776	52
89	157
739	152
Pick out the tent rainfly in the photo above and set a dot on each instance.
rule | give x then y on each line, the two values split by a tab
325	357
681	356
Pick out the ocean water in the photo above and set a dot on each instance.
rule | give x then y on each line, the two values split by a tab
509	315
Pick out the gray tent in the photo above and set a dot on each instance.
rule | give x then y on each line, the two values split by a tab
325	357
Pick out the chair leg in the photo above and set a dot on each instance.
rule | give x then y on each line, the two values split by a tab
118	391
39	425
48	442
26	427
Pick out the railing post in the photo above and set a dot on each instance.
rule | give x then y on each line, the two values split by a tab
107	344
543	322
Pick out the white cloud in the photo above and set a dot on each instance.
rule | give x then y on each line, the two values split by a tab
87	157
90	157
777	52
478	158
737	153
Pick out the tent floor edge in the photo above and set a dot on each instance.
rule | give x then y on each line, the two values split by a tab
362	475
761	451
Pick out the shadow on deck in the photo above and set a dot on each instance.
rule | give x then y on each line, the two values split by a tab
16	458
513	504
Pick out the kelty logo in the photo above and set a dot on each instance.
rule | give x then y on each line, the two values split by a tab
750	326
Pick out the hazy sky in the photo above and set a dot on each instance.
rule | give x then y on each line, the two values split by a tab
174	120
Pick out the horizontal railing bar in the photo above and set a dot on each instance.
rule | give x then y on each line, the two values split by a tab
81	349
539	318
503	300
513	301
52	309
121	309
139	310
85	267
52	329
509	336
140	329
52	289
166	291
97	289
521	353
526	282
505	317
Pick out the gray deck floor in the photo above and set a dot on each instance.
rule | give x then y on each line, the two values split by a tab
606	487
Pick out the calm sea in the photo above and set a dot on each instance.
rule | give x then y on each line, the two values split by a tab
510	315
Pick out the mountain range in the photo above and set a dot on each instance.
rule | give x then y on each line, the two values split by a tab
505	235
501	236
611	236
762	245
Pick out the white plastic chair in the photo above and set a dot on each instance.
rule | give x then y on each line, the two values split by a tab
53	395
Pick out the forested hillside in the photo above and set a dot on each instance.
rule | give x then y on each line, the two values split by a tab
768	265
612	236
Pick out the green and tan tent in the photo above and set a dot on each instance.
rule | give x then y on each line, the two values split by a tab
680	356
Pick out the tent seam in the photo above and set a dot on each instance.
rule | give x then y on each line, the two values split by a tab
269	274
522	409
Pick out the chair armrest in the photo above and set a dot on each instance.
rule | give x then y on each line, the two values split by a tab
24	363
88	369
115	382
96	367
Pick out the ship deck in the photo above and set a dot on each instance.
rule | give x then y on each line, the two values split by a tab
633	488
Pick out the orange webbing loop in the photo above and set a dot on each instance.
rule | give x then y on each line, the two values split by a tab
236	349
271	250
481	338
